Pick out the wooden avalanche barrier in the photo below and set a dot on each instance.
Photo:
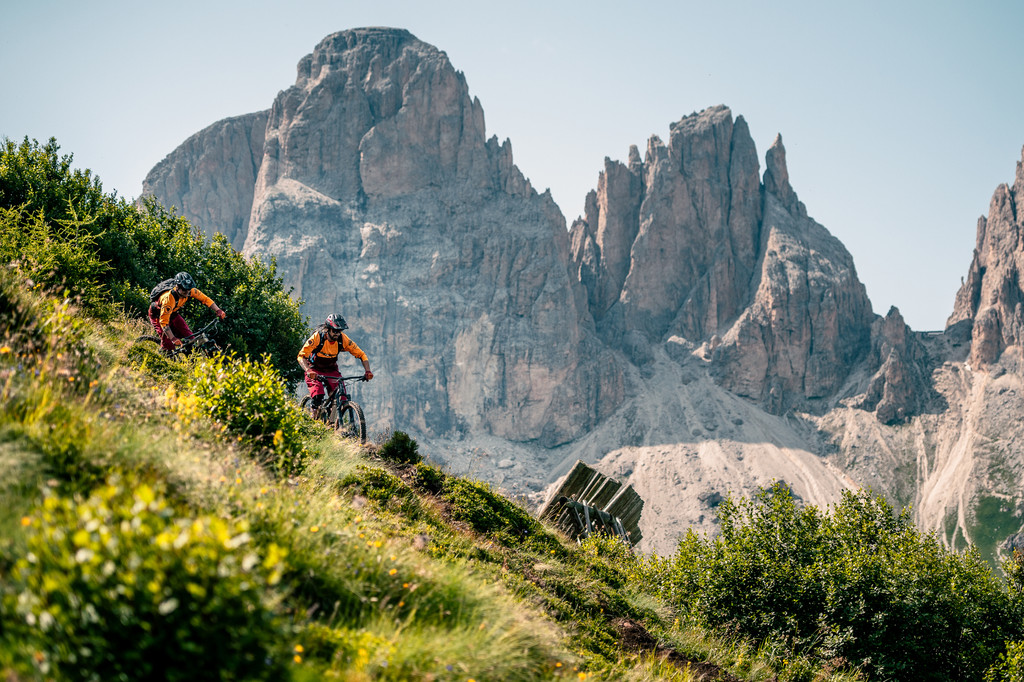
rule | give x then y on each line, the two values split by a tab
589	502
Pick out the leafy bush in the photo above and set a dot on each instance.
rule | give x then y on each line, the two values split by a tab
1010	666
378	485
120	586
428	478
400	448
252	401
62	254
353	648
861	585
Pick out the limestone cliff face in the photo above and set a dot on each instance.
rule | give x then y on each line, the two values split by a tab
210	177
668	244
809	320
689	243
380	197
901	386
991	299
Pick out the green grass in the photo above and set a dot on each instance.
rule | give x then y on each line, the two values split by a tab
994	521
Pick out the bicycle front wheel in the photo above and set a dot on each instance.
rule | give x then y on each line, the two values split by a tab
351	423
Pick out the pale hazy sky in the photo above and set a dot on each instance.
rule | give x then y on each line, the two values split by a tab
899	118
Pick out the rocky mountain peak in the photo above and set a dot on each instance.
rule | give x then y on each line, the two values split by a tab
690	244
991	300
379	196
776	178
667	245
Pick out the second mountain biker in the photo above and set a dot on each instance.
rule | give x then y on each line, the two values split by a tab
167	299
319	355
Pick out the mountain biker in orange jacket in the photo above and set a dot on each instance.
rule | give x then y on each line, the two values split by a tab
319	355
170	326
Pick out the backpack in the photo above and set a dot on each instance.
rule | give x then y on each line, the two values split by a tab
160	289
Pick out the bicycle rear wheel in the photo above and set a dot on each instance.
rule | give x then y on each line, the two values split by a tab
351	423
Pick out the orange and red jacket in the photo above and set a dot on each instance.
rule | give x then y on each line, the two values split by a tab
330	349
170	302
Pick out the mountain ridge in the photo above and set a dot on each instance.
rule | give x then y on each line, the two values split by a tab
518	344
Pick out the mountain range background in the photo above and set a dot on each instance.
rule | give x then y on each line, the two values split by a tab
694	331
897	119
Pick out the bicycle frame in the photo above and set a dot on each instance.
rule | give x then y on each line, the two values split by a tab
349	418
339	390
195	339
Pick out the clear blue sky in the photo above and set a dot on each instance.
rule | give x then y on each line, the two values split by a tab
899	118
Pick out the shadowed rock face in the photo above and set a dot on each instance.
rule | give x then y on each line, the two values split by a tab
991	297
901	386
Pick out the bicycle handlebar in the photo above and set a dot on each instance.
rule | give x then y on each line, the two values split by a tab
210	325
360	377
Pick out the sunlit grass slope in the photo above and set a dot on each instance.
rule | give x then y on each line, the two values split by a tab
142	538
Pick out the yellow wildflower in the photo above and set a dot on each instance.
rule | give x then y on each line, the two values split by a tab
26	521
314	529
393	571
4	350
297	658
299	649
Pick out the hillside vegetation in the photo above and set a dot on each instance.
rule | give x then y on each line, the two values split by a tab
183	519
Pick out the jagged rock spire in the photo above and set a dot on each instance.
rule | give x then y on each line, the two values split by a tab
991	300
776	178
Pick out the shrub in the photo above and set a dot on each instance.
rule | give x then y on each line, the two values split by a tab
62	255
252	401
349	648
400	448
1010	666
428	478
862	584
377	484
119	586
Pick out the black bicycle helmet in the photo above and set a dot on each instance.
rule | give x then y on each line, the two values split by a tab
185	281
336	322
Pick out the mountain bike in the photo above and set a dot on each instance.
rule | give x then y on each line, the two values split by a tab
201	341
337	409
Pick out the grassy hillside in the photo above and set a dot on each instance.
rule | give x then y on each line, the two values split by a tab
141	539
183	520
